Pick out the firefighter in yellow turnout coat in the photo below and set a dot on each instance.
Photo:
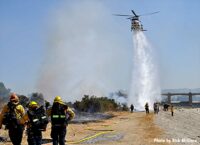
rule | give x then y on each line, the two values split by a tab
9	117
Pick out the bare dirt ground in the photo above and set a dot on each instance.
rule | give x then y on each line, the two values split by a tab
123	129
183	128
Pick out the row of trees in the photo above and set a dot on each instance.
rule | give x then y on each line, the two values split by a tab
98	104
24	100
87	104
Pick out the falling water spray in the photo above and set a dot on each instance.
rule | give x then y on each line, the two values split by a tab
145	80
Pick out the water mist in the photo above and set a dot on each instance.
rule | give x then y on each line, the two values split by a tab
145	80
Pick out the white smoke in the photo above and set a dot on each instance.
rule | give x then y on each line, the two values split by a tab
145	80
85	55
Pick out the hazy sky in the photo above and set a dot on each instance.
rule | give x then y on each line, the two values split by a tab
174	33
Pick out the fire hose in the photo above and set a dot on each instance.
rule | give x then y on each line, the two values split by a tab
90	137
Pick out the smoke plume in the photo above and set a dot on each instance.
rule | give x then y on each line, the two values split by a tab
85	54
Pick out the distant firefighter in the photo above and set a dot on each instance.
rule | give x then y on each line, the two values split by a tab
165	107
132	108
156	108
147	108
172	110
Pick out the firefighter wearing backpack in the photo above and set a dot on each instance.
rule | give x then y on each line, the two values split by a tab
60	114
36	120
9	117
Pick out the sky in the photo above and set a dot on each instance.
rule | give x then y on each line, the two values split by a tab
26	28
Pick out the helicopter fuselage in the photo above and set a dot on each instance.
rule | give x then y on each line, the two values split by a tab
136	25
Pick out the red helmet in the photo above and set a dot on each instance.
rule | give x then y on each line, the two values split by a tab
14	97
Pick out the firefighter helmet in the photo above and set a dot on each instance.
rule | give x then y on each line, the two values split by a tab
58	100
33	104
14	97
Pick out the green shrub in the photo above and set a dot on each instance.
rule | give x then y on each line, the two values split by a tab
96	104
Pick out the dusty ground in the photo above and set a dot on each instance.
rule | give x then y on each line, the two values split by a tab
183	128
123	129
135	129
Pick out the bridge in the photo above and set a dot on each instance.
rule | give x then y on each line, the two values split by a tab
169	96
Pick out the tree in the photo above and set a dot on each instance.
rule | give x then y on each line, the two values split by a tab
39	98
23	100
96	104
4	92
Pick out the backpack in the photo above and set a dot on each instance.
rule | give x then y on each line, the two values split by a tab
38	119
9	118
58	114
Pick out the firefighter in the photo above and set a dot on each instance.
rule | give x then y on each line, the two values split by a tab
132	108
60	114
156	108
147	108
35	119
9	117
172	110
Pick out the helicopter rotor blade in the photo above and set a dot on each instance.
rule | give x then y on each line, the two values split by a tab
149	13
134	13
129	18
133	17
122	15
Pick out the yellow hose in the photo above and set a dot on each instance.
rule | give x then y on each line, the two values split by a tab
88	138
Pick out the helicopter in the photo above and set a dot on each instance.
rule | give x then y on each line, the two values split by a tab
136	24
